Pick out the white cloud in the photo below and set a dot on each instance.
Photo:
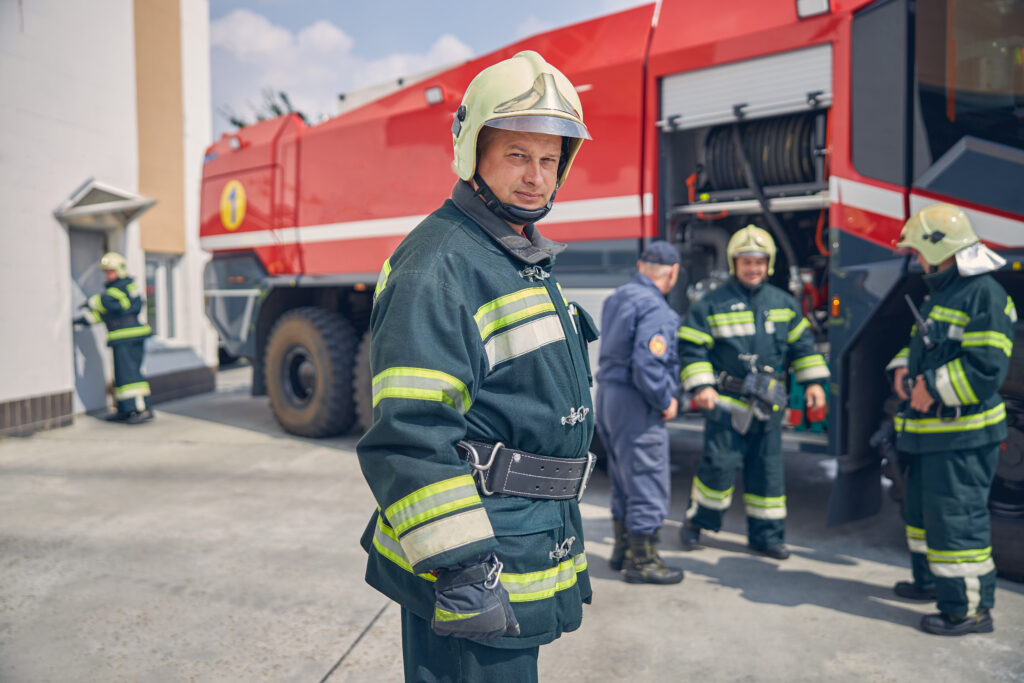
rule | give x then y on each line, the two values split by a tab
532	25
249	54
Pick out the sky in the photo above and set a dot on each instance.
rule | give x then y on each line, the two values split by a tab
313	50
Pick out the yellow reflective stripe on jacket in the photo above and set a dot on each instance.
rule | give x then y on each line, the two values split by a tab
522	339
511	308
445	615
1010	310
916	540
810	368
96	303
958	378
795	333
382	279
129	332
989	338
695	336
734	324
433	501
765	507
445	534
964	423
93	316
422	384
949	315
545	583
780	315
132	288
900	360
385	540
709	497
696	374
121	297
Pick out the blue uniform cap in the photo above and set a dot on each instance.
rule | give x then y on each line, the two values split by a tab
660	252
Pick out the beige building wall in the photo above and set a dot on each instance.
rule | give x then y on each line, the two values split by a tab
159	100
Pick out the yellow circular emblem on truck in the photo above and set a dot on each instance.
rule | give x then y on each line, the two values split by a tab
232	205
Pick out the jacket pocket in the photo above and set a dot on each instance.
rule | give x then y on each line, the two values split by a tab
650	450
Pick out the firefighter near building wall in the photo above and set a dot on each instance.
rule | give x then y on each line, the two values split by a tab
482	414
637	384
953	419
734	347
118	306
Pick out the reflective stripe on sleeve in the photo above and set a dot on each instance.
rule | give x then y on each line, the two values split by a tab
432	501
697	374
96	304
93	316
446	533
129	332
958	378
944	385
121	297
949	315
915	540
989	338
965	423
781	315
695	336
900	360
385	540
761	507
810	368
382	279
132	288
421	384
961	563
735	324
709	497
523	338
795	333
1010	310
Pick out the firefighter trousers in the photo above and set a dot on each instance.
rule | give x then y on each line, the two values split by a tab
759	453
430	658
131	390
948	527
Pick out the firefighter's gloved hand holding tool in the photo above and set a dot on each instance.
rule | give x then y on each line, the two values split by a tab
472	603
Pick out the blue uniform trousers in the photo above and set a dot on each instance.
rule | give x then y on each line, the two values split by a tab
638	457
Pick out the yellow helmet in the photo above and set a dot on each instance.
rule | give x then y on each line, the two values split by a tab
522	93
115	262
937	232
750	240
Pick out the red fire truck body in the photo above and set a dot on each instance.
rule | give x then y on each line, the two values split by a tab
829	123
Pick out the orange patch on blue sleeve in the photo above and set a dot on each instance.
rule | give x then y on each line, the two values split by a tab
657	345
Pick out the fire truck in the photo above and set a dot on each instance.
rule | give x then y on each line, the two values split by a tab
828	122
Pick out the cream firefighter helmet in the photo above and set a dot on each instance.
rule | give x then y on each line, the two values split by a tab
940	231
522	93
750	241
115	262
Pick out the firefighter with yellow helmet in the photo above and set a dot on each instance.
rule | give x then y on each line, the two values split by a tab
734	347
953	419
481	391
118	306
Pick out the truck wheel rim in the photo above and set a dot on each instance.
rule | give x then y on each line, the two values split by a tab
298	376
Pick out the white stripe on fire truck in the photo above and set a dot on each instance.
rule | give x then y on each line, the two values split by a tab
856	195
628	206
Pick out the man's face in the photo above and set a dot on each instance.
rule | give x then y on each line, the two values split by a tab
111	275
521	168
751	270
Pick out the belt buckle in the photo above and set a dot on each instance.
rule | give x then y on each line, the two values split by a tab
480	470
589	469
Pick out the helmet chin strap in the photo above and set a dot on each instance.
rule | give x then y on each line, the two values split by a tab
510	212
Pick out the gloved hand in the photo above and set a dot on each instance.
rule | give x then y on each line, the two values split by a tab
472	603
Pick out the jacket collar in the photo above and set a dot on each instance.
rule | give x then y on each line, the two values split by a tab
937	281
531	247
644	281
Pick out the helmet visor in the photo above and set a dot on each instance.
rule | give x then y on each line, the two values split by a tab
753	253
539	123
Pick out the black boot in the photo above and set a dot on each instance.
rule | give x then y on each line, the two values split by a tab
944	625
689	536
621	545
644	564
776	552
139	418
912	591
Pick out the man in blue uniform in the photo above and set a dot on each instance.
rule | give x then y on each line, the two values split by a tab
636	392
481	392
734	346
118	306
953	419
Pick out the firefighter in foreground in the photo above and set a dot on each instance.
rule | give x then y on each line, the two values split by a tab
482	410
638	380
734	346
950	373
118	306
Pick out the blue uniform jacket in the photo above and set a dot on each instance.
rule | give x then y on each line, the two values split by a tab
638	342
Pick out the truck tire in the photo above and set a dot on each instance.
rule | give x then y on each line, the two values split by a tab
308	366
363	386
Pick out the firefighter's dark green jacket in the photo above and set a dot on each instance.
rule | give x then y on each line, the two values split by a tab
118	305
471	338
971	321
734	321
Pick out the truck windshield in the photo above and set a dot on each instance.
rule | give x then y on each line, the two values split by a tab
969	75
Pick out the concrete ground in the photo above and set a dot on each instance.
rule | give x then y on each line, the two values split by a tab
210	546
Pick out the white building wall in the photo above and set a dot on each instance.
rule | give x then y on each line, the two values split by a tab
67	114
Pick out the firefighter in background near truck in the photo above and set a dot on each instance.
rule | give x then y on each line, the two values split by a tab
637	383
734	346
482	411
955	419
118	306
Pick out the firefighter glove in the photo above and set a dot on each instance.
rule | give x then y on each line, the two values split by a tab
472	603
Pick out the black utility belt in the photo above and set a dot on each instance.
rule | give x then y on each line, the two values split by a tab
511	472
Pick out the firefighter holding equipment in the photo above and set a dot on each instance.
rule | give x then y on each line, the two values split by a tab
638	380
734	347
953	419
118	306
482	413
